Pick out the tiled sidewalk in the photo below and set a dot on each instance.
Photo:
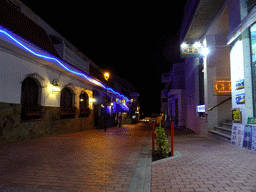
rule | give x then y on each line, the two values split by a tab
92	160
205	165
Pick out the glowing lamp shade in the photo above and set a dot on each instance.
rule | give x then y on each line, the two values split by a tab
55	88
106	76
183	45
92	100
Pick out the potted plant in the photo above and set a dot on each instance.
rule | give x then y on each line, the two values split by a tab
163	147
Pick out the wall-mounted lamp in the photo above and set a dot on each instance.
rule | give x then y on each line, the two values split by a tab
92	100
55	85
183	45
205	51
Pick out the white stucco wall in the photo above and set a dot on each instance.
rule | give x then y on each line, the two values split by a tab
13	70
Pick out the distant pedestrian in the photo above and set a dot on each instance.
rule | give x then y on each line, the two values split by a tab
120	120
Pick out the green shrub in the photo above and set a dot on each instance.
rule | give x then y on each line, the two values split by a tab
162	142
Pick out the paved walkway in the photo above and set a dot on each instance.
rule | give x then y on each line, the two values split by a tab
205	165
118	160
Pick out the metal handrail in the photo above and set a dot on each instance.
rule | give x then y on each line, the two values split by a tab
219	104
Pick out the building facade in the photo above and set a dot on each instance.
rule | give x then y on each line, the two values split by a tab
173	96
222	80
47	86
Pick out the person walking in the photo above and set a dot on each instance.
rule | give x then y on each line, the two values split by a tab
120	120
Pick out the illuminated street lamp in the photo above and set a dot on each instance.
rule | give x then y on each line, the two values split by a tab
106	76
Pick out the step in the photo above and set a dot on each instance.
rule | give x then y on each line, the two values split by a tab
229	121
223	128
227	125
221	134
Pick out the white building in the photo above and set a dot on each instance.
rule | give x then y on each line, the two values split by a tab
173	96
45	86
227	30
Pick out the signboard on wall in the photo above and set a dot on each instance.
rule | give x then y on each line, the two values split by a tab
251	120
190	51
236	115
222	86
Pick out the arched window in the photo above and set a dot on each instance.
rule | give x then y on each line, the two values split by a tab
84	105
66	104
30	107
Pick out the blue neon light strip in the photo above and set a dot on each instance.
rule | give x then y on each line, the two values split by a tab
60	63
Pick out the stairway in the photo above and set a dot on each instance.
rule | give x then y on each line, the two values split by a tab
223	131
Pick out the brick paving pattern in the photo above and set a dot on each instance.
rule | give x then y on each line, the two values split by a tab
205	165
86	161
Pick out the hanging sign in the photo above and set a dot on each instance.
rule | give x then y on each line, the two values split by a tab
190	51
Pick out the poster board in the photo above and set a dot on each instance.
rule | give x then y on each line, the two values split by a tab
236	115
237	135
249	141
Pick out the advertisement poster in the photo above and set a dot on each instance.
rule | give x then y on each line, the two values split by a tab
236	115
237	134
239	84
247	143
251	120
253	138
240	98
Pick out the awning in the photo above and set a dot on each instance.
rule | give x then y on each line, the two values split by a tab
247	22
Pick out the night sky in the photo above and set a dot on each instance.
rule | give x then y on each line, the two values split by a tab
136	41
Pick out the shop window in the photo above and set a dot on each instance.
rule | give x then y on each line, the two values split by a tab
67	110
201	84
84	105
253	59
30	107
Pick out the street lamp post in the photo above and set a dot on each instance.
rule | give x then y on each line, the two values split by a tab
106	77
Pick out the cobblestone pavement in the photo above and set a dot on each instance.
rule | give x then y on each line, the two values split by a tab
86	161
205	165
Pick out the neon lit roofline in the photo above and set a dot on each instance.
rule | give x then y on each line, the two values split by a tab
60	63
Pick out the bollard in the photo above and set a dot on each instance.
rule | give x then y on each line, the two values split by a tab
172	134
153	136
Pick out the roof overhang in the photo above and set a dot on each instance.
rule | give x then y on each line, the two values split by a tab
247	22
13	43
205	13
